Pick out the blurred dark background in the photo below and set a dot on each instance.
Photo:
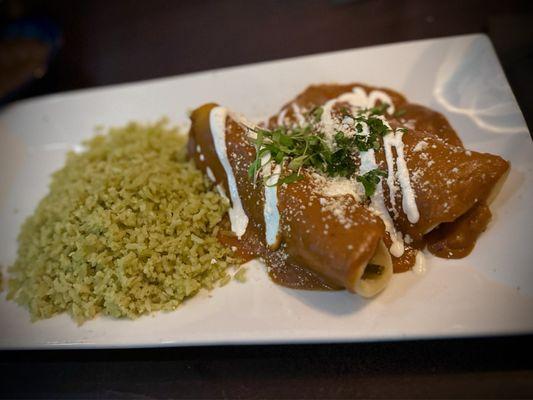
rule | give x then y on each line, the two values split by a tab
101	42
104	41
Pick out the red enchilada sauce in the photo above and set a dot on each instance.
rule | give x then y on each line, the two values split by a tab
457	239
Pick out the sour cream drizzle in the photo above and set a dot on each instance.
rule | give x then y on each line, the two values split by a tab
210	174
298	114
270	209
391	181
420	264
402	174
368	163
217	123
394	139
281	117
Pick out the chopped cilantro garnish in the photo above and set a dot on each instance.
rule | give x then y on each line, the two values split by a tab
317	113
376	129
370	180
305	146
400	112
380	109
293	177
297	145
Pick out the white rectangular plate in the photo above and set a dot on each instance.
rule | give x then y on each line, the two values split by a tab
488	293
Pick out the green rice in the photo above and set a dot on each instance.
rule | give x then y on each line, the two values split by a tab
240	275
128	227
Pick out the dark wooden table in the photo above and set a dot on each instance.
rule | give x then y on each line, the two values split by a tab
109	42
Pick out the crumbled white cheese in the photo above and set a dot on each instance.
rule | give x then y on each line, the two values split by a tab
420	146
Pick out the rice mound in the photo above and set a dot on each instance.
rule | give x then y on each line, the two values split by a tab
128	227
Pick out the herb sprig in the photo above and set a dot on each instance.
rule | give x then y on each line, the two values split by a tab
365	141
400	113
297	145
305	146
370	180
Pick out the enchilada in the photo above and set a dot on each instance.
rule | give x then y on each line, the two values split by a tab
346	184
